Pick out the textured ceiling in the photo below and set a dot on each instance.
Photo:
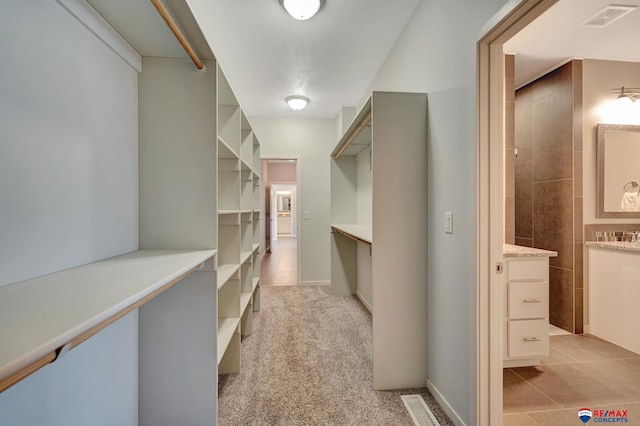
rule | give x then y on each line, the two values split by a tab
331	58
558	36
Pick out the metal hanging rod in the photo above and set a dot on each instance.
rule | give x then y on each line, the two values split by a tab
166	16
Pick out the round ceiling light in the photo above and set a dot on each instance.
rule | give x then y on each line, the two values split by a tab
297	102
301	9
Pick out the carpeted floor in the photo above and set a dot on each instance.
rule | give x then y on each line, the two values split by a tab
308	362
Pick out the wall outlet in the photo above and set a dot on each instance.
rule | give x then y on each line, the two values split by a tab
307	214
448	222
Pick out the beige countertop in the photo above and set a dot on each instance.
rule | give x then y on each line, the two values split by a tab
615	245
510	250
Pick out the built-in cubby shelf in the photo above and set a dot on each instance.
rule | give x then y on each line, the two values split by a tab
372	245
238	157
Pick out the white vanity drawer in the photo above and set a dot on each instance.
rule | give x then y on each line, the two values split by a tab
528	299
528	270
528	338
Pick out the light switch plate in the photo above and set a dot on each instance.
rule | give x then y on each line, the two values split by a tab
448	222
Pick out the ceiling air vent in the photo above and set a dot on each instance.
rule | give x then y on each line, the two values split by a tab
608	15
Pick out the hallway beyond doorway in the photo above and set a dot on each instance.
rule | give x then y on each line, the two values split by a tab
280	267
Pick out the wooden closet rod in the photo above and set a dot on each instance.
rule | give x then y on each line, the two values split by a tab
164	13
354	135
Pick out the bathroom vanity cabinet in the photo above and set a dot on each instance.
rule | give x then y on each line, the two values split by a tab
526	305
614	292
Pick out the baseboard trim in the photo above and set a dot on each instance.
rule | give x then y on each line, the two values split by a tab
455	418
315	282
364	302
587	329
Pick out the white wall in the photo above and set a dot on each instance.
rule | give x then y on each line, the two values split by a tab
598	78
69	196
436	54
313	140
69	151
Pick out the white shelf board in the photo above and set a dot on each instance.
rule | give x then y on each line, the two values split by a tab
255	283
245	298
226	328
228	211
245	166
43	314
244	256
225	272
256	246
362	233
225	151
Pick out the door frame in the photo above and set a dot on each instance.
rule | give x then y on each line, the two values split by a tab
513	17
299	206
278	186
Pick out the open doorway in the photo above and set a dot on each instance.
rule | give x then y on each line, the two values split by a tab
558	390
281	234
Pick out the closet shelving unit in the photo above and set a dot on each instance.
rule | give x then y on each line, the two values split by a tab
239	265
195	277
379	230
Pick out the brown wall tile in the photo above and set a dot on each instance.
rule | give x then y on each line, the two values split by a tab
552	134
523	117
524	200
553	220
579	265
561	297
577	173
526	242
578	229
558	80
579	308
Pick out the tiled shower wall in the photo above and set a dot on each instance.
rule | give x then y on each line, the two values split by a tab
548	184
509	150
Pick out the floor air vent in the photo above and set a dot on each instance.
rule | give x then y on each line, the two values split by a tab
419	411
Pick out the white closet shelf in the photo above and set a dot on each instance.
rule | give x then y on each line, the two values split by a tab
245	256
245	298
228	211
357	232
245	166
256	246
225	272
226	328
225	151
255	283
42	315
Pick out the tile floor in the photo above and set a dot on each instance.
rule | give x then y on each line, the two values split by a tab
280	267
581	371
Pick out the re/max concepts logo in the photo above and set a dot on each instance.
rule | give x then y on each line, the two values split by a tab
603	416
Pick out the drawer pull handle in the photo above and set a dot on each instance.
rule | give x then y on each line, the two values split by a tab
532	301
532	339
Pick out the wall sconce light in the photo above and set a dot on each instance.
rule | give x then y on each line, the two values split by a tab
297	102
626	95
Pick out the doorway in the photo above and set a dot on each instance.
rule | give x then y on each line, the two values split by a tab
281	259
491	135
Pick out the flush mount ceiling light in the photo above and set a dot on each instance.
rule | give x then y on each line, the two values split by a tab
297	102
301	9
626	94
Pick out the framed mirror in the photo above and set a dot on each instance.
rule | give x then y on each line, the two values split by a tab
618	171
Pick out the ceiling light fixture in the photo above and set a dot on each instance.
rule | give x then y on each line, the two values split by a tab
297	102
301	9
626	95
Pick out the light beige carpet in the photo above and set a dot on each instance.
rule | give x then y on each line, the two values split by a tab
308	362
